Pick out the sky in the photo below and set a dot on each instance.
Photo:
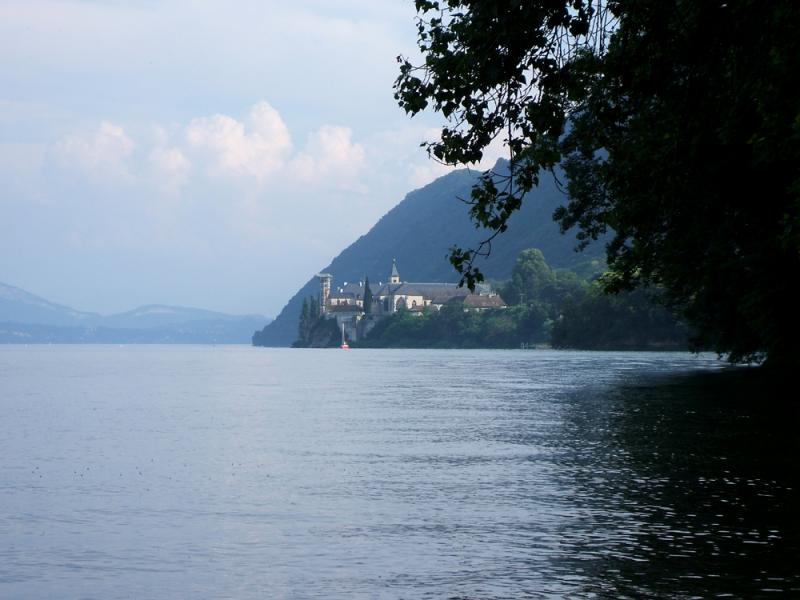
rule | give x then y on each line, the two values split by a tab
196	153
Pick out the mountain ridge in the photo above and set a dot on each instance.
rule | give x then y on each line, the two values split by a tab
419	231
18	305
28	318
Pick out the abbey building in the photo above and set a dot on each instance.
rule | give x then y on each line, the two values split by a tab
347	303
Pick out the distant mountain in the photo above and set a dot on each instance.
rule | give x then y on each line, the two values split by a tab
26	318
19	306
159	315
419	231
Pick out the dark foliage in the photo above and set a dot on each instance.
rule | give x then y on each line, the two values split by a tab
367	297
309	322
635	320
453	327
683	142
551	307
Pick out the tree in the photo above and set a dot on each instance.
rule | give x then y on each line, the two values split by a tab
304	325
532	279
676	123
367	297
633	320
506	69
309	319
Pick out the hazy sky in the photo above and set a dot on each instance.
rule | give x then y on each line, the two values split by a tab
212	154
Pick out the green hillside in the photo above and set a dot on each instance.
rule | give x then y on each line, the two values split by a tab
419	231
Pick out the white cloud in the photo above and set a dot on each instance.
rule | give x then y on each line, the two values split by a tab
250	165
256	148
102	154
330	154
226	183
249	151
280	193
171	168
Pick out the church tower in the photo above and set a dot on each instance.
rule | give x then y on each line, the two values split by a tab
394	277
324	290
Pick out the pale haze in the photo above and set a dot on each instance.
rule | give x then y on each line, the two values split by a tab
210	154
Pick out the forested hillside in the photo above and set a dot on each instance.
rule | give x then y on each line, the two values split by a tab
419	231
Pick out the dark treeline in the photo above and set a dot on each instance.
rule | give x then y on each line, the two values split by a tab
309	317
634	320
313	330
453	327
673	125
546	307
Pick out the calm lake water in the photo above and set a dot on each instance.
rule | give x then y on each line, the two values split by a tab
238	472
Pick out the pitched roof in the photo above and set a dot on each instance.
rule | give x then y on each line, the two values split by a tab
344	308
386	289
438	293
478	301
352	290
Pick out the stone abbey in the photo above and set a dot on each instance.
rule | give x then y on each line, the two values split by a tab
346	303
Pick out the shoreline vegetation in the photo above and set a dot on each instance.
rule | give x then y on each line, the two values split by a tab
673	128
547	308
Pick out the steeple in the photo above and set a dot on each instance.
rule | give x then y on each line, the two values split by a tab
394	276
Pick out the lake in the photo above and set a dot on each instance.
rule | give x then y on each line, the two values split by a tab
239	472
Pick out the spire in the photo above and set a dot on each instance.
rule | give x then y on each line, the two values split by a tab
394	276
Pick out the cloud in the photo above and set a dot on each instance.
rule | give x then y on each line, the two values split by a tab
256	148
238	176
102	154
279	187
330	154
249	151
171	168
253	158
238	184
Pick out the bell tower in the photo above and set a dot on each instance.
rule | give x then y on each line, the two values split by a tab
394	276
324	290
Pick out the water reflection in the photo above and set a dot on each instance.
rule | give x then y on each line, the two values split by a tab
691	488
242	473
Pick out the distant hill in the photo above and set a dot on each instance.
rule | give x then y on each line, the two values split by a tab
26	318
19	306
159	315
419	231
